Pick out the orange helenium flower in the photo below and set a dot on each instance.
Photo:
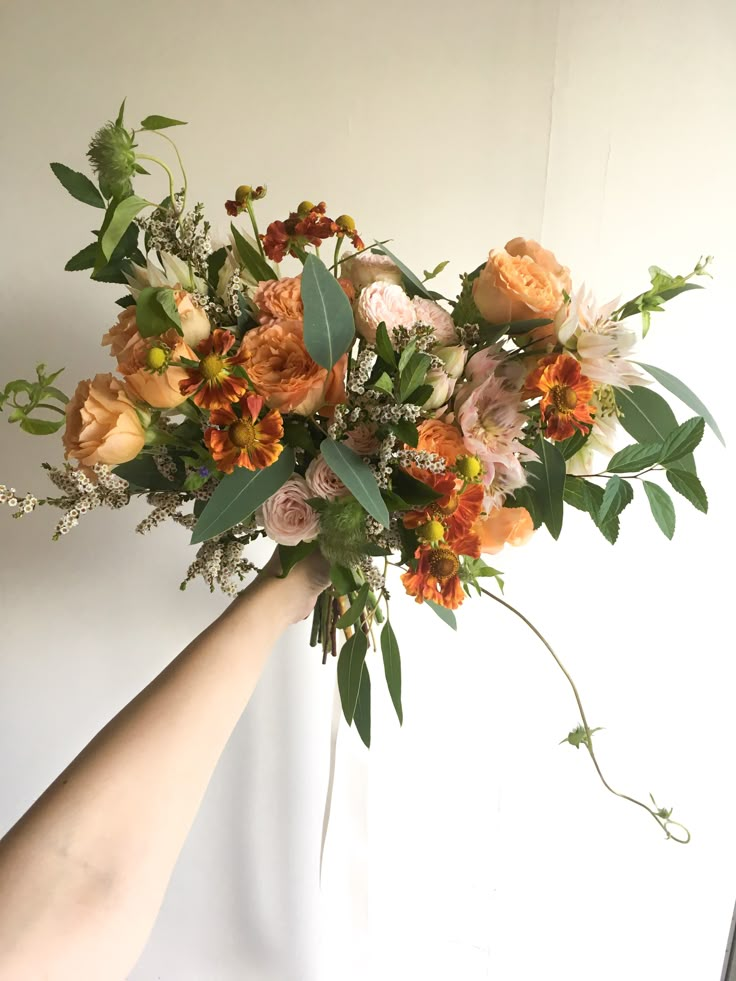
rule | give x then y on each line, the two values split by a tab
458	508
436	575
566	393
244	440
212	383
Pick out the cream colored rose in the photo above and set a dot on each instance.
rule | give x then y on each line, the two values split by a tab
286	516
383	303
429	312
324	482
102	425
442	388
365	269
195	324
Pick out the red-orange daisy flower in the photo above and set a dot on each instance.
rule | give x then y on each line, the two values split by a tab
436	575
566	393
244	440
212	383
458	508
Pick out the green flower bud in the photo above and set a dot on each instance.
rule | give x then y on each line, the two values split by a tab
112	157
342	531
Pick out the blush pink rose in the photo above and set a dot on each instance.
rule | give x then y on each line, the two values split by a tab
102	425
324	482
286	516
429	312
365	269
383	303
362	438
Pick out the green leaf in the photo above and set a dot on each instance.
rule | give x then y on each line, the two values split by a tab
690	487
436	271
616	496
406	431
357	477
549	483
588	497
648	418
420	395
78	185
443	613
680	389
215	262
413	375
343	580
384	348
569	447
84	259
415	492
113	271
683	440
122	216
142	474
392	667
638	456
156	311
351	615
121	113
238	495
41	427
298	434
329	328
662	507
251	258
349	670
160	122
384	383
406	355
580	736
526	497
291	555
412	283
362	717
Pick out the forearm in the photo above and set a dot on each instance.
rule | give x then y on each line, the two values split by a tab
100	844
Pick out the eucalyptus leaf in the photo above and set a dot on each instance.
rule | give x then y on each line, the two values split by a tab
143	474
349	670
412	283
447	616
352	614
648	418
392	667
251	258
684	394
357	477
362	717
548	474
78	185
329	327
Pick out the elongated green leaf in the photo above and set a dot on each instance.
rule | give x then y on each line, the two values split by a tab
142	474
384	383
160	122
662	507
291	555
357	477
569	447
84	259
648	418
156	311
351	615
121	218
384	348
690	487
251	258
412	283
406	355
362	717
684	394
392	667
413	375
586	496
443	613
343	580
329	328
683	440
548	477
349	670
416	493
41	427
638	456
616	496
238	495
78	185
526	497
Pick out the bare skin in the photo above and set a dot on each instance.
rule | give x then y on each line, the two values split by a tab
84	871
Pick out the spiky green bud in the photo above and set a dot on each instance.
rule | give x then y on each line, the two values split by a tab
342	531
112	157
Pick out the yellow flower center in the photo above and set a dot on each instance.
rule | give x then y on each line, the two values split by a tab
443	563
243	434
468	467
212	367
155	358
433	531
564	398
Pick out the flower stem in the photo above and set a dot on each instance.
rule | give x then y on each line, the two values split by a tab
156	160
254	223
338	246
181	166
661	817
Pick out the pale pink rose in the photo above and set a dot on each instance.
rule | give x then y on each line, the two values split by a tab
286	516
429	312
102	425
383	303
442	388
324	482
365	269
363	439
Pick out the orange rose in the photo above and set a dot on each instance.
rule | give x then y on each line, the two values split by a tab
281	299
504	526
102	425
282	371
159	388
520	282
441	438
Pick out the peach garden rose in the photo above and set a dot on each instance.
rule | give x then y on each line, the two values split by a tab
521	282
102	425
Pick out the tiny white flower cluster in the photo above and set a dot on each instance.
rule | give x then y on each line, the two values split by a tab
372	575
163	462
235	286
215	309
361	370
25	504
396	412
186	236
165	505
220	563
468	335
422	459
82	494
422	334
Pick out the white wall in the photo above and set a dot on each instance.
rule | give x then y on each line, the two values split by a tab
469	845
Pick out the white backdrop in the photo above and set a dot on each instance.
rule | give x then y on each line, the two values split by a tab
469	845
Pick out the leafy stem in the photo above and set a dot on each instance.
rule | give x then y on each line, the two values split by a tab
660	815
254	223
157	160
181	167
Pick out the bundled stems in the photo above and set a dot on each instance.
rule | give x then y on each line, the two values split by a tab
661	815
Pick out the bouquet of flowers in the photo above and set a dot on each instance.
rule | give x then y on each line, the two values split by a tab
350	407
